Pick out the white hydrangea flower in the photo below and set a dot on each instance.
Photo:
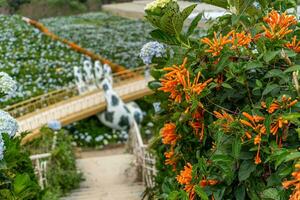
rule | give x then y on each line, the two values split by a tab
158	4
151	50
2	148
8	124
7	85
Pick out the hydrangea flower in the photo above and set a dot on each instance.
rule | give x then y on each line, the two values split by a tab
2	147
150	50
54	125
8	124
7	85
158	4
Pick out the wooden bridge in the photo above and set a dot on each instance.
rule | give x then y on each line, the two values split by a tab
67	105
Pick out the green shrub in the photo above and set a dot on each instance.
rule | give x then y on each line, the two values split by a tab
230	111
17	178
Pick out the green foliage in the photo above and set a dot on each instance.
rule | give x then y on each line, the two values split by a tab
251	79
17	178
62	174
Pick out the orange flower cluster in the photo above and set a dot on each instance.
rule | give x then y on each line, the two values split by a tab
171	159
278	25
226	120
294	183
217	44
236	40
168	133
294	45
185	178
283	104
177	82
256	124
240	39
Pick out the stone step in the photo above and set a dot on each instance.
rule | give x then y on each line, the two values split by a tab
108	177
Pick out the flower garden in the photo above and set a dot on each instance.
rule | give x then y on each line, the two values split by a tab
222	121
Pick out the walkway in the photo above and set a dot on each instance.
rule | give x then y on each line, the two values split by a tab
135	9
110	175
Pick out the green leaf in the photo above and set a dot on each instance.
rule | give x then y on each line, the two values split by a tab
194	24
153	85
269	88
270	55
292	69
258	83
219	3
187	11
226	85
274	73
163	37
292	156
236	148
253	65
271	193
246	168
201	193
240	193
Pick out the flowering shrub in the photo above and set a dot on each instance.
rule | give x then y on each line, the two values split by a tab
36	62
229	123
112	37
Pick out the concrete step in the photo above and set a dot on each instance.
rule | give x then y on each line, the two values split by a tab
108	177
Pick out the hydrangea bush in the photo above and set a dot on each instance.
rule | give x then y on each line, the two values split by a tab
229	122
34	60
112	37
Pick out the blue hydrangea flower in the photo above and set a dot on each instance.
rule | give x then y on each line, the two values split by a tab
8	124
151	50
54	125
7	85
2	148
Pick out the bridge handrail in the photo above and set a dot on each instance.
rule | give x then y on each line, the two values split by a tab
45	100
144	159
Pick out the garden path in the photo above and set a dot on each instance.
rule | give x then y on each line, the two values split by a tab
135	9
109	175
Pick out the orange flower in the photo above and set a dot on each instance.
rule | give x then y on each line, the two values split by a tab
168	133
177	82
211	182
278	124
185	178
240	39
259	128
278	25
171	159
294	183
294	45
284	103
217	44
198	122
226	118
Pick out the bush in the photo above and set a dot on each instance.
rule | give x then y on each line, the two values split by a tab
62	174
230	111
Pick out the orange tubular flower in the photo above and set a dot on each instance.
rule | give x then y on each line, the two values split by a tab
210	182
255	124
217	44
177	82
226	118
294	183
171	159
278	25
279	124
168	133
294	45
198	123
185	178
240	39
